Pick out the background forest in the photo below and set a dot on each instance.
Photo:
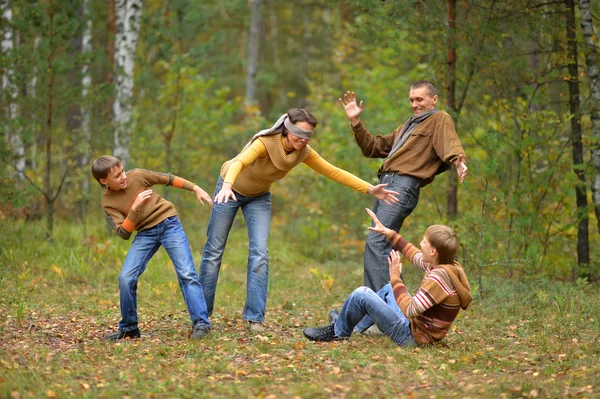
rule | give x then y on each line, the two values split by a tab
180	86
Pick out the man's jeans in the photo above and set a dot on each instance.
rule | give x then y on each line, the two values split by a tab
168	233
257	212
378	248
364	307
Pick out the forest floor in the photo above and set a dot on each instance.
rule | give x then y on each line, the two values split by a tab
523	336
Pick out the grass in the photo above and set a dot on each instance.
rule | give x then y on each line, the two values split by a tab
522	338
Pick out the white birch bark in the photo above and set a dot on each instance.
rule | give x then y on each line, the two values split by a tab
591	42
253	53
86	82
12	135
128	14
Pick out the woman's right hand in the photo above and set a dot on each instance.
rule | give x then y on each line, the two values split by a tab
225	193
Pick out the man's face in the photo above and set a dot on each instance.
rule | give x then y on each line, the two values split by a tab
421	101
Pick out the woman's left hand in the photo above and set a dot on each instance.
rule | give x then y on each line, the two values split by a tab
379	192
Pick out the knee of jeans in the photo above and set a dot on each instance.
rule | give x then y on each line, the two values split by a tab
362	290
127	280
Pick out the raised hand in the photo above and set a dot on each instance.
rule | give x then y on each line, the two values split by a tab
387	196
461	167
395	264
377	227
352	110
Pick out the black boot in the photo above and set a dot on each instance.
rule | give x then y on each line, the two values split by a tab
321	334
120	334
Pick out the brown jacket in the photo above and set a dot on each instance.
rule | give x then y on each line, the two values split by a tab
430	149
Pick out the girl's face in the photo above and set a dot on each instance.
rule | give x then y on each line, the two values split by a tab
295	142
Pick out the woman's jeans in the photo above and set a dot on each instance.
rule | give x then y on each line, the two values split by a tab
364	307
168	233
377	247
257	212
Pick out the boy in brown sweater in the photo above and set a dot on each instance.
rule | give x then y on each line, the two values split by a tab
422	319
132	205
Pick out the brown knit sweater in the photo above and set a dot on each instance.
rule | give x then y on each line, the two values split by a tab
444	291
117	204
431	148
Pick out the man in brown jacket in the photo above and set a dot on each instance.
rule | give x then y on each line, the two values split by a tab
424	146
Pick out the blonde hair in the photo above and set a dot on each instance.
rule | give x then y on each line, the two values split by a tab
445	241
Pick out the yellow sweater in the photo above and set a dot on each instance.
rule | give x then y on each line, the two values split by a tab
265	161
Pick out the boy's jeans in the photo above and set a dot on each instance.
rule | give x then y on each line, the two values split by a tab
168	233
257	212
365	307
377	247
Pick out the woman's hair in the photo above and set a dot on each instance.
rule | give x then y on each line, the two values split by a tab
300	115
445	241
103	165
431	90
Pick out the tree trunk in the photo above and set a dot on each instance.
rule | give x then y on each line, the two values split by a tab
590	39
583	256
253	53
128	14
12	134
48	127
452	208
86	82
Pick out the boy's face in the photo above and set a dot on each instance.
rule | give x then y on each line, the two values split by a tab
116	179
429	252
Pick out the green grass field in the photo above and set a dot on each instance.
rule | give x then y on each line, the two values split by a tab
526	337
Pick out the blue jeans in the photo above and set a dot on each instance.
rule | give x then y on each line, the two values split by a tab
257	212
168	233
377	247
364	307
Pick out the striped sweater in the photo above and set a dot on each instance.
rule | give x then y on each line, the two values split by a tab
444	290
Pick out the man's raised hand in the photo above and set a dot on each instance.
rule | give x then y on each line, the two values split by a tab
352	110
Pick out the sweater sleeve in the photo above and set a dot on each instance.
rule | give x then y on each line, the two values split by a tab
374	146
410	251
319	165
123	226
446	143
166	179
256	150
432	291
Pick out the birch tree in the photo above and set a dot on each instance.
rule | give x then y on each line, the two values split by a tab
128	14
12	135
590	42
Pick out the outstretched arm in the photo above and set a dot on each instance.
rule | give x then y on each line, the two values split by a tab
352	110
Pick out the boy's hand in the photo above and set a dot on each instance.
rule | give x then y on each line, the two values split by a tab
225	193
141	198
379	227
202	196
395	264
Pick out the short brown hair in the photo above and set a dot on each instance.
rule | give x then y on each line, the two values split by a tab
300	115
445	241
103	165
431	90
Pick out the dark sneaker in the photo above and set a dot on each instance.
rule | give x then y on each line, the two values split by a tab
200	332
256	326
333	315
321	334
120	334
